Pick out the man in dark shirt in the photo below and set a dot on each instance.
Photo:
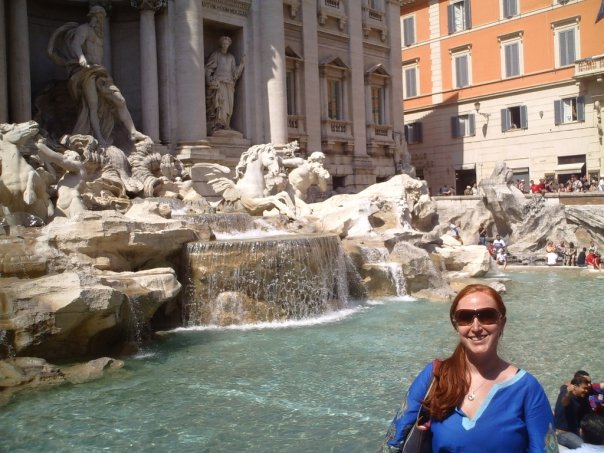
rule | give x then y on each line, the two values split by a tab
571	406
581	257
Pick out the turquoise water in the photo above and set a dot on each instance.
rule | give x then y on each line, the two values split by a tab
328	385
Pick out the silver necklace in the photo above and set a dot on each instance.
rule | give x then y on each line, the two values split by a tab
472	394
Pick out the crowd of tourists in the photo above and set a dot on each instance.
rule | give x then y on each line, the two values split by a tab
570	255
573	184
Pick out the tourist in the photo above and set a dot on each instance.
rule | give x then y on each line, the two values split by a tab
581	257
498	243
570	255
478	402
595	394
468	190
593	248
572	404
601	185
592	434
552	258
534	187
474	189
593	259
502	259
482	234
561	249
454	231
444	190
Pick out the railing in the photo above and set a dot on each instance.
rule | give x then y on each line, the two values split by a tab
295	125
336	129
332	3
589	66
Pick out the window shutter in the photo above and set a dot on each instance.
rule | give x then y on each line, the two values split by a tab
409	32
580	109
513	7
454	127
418	132
515	54
406	130
468	14
557	112
463	66
472	119
410	83
508	61
506	8
451	19
570	52
523	117
505	120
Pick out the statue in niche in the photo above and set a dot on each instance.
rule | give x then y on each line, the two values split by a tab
308	173
22	188
221	72
79	48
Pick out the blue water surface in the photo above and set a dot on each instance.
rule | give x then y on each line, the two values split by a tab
325	385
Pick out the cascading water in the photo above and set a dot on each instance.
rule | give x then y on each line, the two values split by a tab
379	257
263	279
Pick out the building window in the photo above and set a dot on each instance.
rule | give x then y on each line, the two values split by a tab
290	84
511	58
458	14
413	133
509	8
377	105
408	30
569	110
375	4
461	69
463	126
334	100
566	43
410	81
514	118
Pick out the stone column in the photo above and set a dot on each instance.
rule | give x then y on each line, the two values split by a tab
149	77
312	113
357	78
3	76
18	56
394	102
189	62
273	64
166	77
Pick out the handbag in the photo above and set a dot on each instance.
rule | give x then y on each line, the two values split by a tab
418	440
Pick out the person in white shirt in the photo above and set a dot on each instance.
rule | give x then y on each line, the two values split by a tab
498	243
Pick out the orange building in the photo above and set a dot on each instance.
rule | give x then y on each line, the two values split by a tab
519	81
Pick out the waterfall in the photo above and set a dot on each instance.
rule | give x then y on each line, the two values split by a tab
263	279
380	258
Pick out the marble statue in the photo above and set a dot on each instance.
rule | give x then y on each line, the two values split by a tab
22	188
221	72
79	48
310	172
258	174
81	164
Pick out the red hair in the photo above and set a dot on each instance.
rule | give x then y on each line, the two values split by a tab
452	377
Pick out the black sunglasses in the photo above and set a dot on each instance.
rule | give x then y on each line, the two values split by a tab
486	316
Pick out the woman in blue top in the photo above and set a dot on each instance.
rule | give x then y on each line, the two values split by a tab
479	402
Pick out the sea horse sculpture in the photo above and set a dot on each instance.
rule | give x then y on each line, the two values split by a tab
22	188
257	175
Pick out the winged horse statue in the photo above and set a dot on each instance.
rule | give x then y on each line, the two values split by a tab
258	175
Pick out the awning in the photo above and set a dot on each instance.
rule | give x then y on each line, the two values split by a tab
465	167
520	171
569	169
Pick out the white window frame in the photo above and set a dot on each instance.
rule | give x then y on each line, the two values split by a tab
463	125
415	67
505	43
564	27
405	33
458	54
563	110
459	16
515	3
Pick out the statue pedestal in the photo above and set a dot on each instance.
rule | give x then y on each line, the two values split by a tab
192	153
230	146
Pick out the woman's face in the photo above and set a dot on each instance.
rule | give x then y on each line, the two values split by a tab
480	339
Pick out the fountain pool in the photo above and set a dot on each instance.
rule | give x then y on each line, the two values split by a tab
326	385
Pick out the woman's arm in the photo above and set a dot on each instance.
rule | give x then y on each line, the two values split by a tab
539	420
407	414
